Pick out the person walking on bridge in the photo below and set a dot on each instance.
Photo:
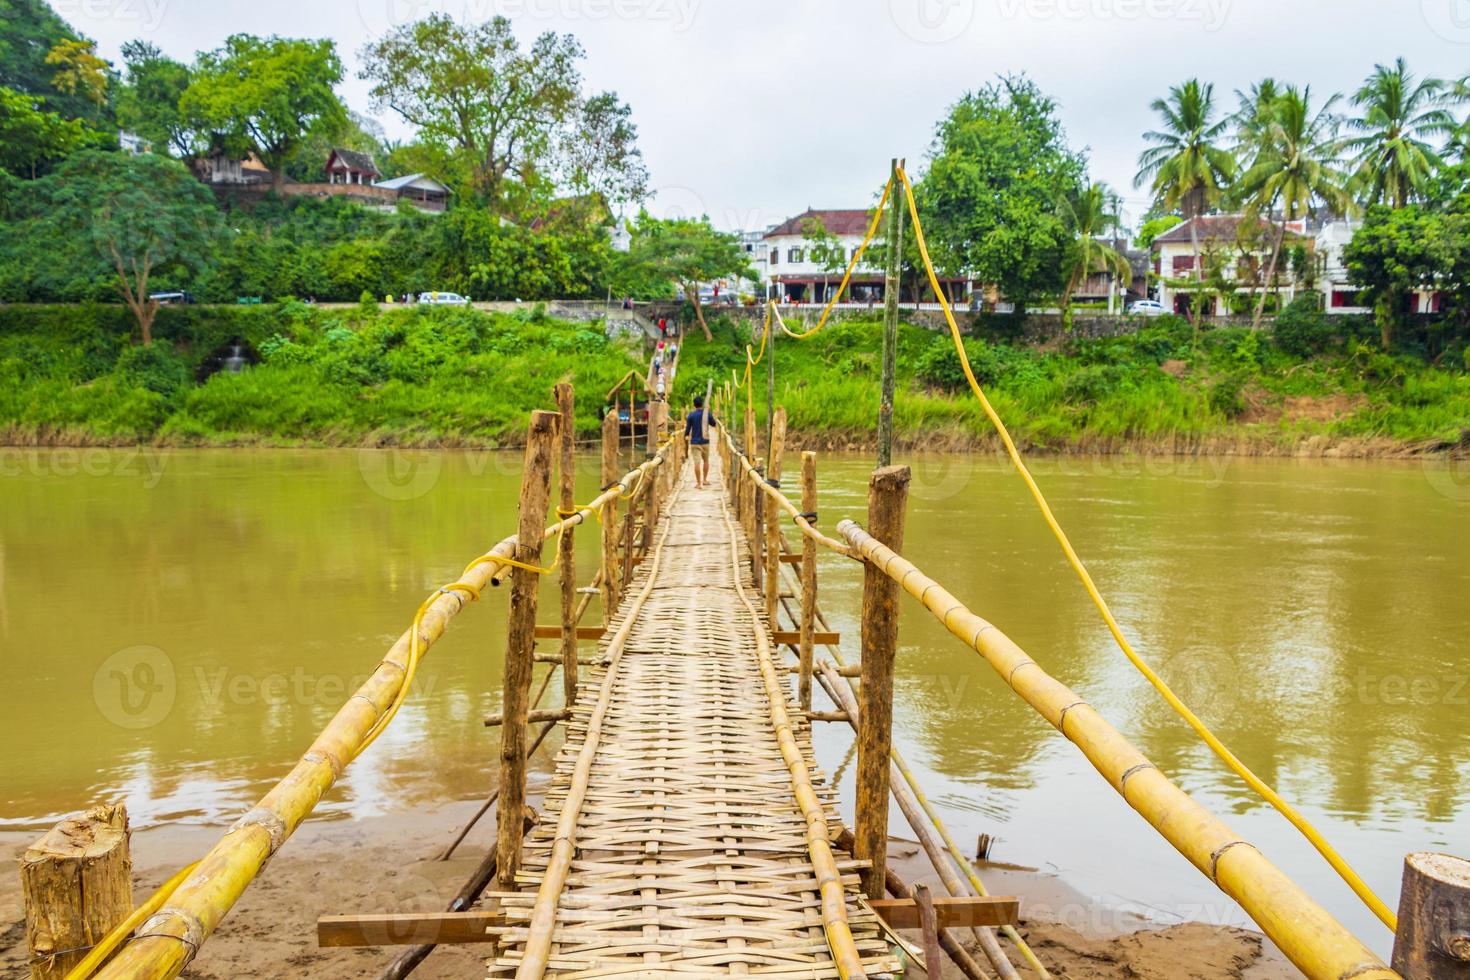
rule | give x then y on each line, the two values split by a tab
696	428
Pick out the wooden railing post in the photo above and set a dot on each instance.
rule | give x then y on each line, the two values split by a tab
772	529
1433	939
78	885
566	554
755	531
888	491
611	440
656	412
520	647
808	581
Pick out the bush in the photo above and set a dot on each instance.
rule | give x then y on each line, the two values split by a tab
1227	394
1092	384
153	368
938	367
1303	329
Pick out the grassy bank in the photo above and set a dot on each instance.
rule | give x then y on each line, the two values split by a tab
454	377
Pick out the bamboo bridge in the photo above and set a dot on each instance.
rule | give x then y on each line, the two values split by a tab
687	831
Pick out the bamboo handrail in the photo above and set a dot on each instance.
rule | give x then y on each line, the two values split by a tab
170	938
1319	946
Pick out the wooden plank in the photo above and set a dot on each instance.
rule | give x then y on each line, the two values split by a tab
547	631
951	913
408	928
793	637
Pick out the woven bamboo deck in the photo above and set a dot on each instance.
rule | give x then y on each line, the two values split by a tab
691	852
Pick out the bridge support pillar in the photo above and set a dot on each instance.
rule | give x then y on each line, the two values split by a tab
888	491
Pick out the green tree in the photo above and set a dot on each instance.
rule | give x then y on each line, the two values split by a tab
266	94
1154	227
496	111
826	249
1186	168
29	32
148	101
1294	169
1090	213
688	252
31	137
138	214
599	153
78	70
998	167
1400	250
1393	159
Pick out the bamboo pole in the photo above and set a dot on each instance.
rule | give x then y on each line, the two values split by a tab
520	644
610	584
772	528
566	554
929	929
807	624
891	285
887	499
1306	933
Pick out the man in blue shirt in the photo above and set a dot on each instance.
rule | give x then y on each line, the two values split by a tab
696	428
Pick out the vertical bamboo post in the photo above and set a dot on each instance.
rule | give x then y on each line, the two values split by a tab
749	429
891	285
610	473
755	527
520	647
655	436
566	555
1433	939
808	581
929	929
78	885
772	529
888	491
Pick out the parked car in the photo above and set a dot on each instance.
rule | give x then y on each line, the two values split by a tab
443	299
1147	307
169	299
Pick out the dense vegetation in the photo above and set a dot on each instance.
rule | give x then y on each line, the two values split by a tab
397	376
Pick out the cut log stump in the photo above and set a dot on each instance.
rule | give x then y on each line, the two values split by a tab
78	884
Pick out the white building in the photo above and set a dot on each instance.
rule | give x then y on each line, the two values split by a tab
1236	247
420	190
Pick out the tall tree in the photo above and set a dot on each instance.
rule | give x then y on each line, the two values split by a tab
1400	115
599	153
30	31
138	214
998	168
266	95
148	100
79	71
1091	213
31	137
1294	169
688	252
1186	168
470	89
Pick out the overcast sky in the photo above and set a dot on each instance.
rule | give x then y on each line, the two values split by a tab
752	110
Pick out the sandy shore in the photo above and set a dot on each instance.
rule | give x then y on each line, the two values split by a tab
387	864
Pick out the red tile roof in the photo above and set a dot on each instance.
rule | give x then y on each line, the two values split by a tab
836	221
1215	228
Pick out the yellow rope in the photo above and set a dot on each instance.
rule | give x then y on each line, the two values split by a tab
141	914
1360	887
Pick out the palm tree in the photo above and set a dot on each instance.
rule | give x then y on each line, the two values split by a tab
1090	212
1186	168
1252	115
1294	169
1393	158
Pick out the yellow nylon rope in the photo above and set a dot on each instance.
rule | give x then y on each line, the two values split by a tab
1356	883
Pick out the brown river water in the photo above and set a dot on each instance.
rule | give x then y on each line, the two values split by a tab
176	626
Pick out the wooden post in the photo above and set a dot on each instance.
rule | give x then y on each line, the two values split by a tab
655	435
772	529
520	646
1433	940
929	929
78	885
808	581
891	285
566	554
755	528
888	491
749	429
610	467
